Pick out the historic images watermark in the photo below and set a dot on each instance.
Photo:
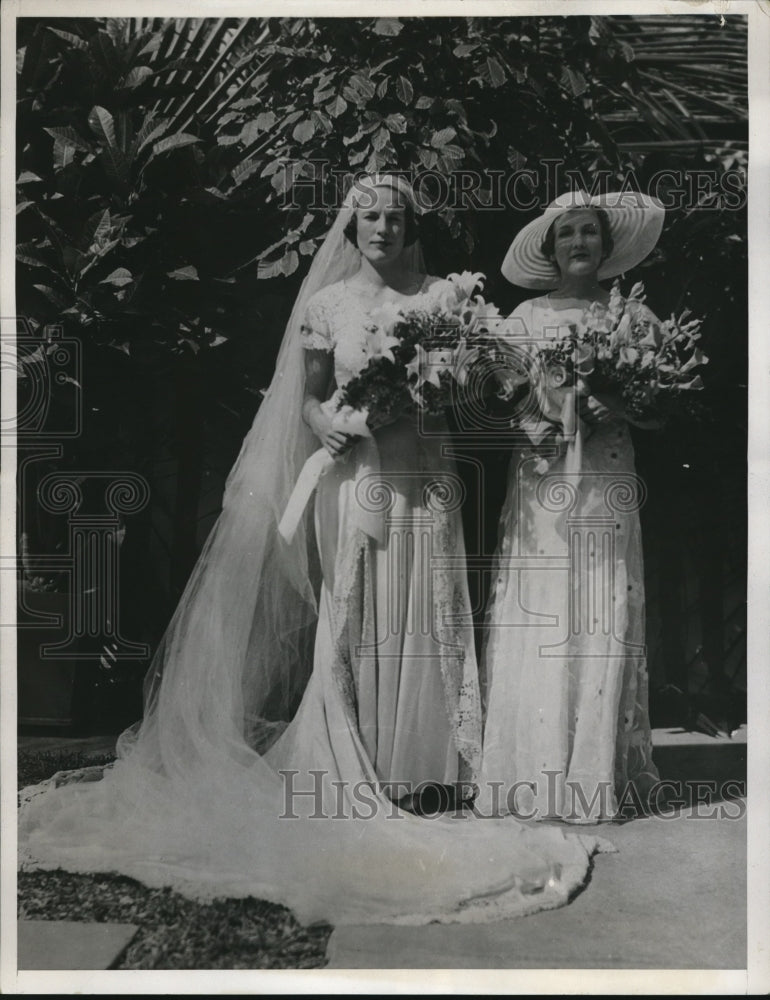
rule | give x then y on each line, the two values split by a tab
91	504
319	185
552	797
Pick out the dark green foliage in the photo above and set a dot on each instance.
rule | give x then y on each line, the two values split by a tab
171	196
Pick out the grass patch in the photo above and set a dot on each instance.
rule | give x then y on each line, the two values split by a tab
174	932
37	765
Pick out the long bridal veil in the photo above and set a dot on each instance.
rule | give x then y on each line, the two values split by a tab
192	803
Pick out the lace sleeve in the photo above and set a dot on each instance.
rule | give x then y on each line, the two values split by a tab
316	332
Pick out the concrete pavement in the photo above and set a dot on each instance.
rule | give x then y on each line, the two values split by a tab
674	896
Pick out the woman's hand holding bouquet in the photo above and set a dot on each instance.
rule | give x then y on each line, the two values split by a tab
414	361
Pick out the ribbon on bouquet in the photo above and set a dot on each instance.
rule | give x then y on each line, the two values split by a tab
572	428
349	421
559	406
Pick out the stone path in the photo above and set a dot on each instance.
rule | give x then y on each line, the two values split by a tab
68	944
674	896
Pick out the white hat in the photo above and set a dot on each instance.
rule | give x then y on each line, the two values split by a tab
636	221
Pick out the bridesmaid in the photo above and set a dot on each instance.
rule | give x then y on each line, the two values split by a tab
567	715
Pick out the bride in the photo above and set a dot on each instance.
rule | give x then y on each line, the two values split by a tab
351	635
386	509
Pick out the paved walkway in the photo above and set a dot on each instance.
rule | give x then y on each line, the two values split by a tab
70	944
674	896
89	745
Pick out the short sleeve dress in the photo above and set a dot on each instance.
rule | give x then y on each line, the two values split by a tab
395	627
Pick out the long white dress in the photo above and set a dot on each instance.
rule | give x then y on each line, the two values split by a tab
567	715
393	695
394	615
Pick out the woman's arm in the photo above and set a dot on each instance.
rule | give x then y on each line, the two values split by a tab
600	407
318	374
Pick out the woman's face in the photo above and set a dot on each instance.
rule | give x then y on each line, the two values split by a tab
381	224
578	243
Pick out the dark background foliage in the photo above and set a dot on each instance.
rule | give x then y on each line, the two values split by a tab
172	193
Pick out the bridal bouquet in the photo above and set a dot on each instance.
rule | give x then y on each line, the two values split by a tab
626	351
424	358
414	359
622	350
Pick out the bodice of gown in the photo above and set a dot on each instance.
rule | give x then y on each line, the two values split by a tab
338	316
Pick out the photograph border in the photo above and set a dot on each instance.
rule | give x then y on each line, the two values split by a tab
756	977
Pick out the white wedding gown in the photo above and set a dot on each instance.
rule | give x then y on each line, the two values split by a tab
564	654
393	696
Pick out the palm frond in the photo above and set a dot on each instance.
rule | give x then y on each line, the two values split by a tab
693	81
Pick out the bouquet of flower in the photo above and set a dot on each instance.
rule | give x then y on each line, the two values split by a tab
626	351
413	359
423	359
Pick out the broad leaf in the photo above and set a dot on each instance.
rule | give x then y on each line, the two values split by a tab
119	277
97	228
26	253
396	123
102	125
304	131
151	130
245	169
381	139
284	178
116	163
364	85
494	72
152	46
390	26
173	142
287	264
575	81
63	155
404	90
75	41
265	120
442	137
52	295
338	106
137	76
188	273
68	136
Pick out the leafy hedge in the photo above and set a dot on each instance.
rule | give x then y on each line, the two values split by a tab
170	201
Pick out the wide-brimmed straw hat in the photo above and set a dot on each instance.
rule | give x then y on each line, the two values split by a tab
636	221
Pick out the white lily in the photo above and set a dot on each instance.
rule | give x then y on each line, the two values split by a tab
423	368
388	315
468	281
464	359
378	344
